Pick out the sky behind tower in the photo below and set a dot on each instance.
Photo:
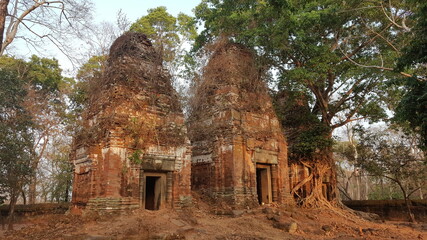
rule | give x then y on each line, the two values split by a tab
105	11
134	9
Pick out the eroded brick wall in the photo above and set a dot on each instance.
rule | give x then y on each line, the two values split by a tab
234	131
133	129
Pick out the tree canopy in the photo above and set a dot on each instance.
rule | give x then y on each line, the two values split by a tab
331	49
331	58
394	156
166	32
412	108
37	87
16	138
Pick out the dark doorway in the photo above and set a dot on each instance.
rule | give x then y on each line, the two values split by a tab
152	193
263	178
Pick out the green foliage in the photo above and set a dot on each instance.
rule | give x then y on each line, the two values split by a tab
416	52
312	141
158	23
12	93
186	26
412	109
12	64
33	111
328	57
88	77
166	32
15	135
92	68
62	177
393	156
345	151
305	132
318	47
136	157
385	191
44	73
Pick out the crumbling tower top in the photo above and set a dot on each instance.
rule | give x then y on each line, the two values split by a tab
134	62
135	46
134	68
233	73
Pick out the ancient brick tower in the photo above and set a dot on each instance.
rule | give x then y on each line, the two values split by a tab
239	151
133	149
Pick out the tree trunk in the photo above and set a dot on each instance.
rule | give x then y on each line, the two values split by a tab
366	188
24	197
324	182
333	196
382	188
408	202
358	187
327	156
324	188
12	204
3	222
3	14
32	189
67	192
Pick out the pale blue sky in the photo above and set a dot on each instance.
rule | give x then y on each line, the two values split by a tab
106	10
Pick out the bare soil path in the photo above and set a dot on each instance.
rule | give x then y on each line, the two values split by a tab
200	222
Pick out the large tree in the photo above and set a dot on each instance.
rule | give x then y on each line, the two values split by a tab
392	155
171	36
43	102
412	109
88	76
166	32
16	149
331	59
46	105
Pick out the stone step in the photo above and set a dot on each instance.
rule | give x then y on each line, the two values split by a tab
112	204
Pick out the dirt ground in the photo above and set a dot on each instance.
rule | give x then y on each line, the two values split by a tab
203	222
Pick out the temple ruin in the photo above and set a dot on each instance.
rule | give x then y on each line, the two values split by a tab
132	150
239	150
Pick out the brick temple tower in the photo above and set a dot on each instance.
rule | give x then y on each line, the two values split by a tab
132	150
239	151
